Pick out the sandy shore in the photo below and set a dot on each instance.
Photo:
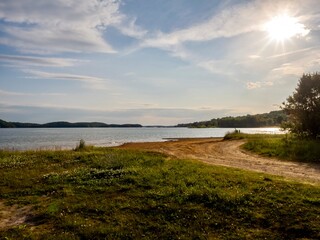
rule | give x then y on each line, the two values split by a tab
228	153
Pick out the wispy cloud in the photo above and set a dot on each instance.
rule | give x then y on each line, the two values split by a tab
289	69
89	81
216	66
37	61
295	52
42	26
129	28
245	22
228	23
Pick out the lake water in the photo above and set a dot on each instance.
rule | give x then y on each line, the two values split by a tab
66	138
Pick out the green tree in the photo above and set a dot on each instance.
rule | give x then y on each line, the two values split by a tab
303	107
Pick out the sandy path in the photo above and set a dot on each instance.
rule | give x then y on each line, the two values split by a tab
228	153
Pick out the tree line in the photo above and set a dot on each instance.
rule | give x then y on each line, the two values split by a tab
4	124
273	118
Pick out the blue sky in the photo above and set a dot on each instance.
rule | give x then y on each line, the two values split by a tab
152	61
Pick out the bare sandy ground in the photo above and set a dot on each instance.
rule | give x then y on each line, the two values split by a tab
228	153
12	215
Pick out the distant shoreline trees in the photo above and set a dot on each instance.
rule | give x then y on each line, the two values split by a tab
273	118
4	124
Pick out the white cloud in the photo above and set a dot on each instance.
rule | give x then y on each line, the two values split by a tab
90	81
253	85
216	66
55	40
289	69
42	26
38	61
254	56
304	61
247	52
228	23
291	53
129	28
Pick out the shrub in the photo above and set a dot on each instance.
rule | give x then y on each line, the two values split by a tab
302	107
234	135
81	145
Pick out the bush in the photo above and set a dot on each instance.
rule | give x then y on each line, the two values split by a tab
234	135
81	145
302	107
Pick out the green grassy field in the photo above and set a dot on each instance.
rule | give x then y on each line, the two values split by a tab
101	193
281	146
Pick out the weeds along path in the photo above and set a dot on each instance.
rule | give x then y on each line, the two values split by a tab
228	153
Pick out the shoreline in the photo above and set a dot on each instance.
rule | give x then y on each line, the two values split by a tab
112	145
214	151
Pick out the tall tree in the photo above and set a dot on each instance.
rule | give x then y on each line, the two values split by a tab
303	107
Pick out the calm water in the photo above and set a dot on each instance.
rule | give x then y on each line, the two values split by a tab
51	138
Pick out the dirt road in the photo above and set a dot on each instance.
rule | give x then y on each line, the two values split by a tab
228	153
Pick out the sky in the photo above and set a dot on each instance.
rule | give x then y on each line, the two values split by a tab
152	62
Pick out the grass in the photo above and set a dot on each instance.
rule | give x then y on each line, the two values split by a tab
101	193
281	146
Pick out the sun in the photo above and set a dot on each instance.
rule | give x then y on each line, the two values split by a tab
284	27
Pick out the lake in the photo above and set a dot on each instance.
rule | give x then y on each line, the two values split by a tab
67	138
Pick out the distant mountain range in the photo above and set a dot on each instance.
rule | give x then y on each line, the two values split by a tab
4	124
273	118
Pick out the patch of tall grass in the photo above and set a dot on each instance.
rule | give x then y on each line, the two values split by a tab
283	146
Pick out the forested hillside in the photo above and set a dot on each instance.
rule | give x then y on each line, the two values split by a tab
4	124
274	118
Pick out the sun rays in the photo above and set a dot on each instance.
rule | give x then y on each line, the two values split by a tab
284	27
